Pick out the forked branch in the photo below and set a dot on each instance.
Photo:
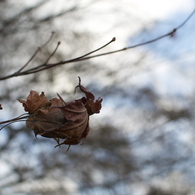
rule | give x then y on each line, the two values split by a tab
47	65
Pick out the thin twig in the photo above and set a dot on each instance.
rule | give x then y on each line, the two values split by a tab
15	119
33	56
10	123
47	66
144	43
87	57
78	58
52	53
25	65
51	37
186	20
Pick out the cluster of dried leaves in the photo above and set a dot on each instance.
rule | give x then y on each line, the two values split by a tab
58	119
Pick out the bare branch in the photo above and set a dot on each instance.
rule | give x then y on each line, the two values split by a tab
38	49
17	119
147	42
52	53
27	63
86	56
47	66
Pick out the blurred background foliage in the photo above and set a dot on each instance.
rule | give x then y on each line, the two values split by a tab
142	142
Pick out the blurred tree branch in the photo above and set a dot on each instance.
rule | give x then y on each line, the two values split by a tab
10	24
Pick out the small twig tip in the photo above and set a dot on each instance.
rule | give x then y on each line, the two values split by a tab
79	80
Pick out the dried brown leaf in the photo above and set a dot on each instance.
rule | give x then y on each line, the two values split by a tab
34	102
58	119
